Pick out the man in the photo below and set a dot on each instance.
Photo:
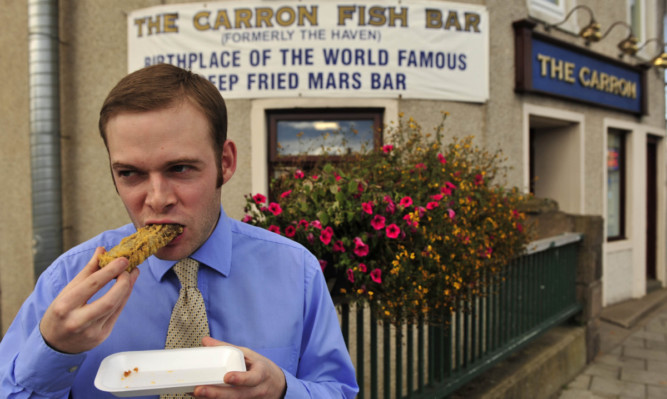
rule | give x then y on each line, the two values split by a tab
165	132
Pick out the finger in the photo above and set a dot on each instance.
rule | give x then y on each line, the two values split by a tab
91	267
111	320
112	301
250	378
209	341
79	291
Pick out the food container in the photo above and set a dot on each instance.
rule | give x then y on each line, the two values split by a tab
154	372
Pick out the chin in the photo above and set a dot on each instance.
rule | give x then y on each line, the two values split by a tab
171	253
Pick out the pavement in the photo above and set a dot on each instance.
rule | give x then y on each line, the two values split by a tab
632	362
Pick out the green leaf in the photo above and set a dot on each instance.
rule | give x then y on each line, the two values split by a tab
323	217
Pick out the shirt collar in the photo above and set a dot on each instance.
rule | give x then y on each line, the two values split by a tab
214	253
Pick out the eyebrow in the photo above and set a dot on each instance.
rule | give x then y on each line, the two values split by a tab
179	161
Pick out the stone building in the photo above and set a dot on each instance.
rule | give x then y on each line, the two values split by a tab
581	120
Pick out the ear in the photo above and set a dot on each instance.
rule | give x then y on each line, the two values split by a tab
228	161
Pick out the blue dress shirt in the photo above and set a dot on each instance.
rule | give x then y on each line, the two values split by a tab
261	290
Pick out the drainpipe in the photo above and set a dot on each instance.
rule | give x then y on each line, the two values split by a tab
44	132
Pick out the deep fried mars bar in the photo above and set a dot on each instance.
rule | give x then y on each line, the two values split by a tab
142	244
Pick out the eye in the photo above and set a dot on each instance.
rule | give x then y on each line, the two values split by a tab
126	173
180	168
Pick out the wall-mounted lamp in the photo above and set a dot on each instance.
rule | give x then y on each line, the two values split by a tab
590	32
628	46
659	60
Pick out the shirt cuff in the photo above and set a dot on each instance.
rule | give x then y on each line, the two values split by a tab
295	389
42	369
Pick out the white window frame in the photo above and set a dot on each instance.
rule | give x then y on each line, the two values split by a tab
551	13
641	32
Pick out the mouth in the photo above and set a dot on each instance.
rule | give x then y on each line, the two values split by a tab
177	225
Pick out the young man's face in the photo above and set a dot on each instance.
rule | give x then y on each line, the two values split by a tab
165	170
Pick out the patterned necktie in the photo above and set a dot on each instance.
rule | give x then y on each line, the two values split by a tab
188	324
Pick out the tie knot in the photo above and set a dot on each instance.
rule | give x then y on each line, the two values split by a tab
186	271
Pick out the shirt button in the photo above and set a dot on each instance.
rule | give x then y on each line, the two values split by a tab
73	369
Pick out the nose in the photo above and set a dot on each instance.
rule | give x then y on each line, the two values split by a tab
160	196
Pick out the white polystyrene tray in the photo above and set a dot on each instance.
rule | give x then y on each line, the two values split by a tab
155	372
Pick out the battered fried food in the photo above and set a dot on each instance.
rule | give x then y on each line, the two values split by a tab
142	244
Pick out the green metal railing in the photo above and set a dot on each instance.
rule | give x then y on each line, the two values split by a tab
534	293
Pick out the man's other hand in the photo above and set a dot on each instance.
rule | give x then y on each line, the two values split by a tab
263	378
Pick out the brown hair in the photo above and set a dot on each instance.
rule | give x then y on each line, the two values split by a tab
160	86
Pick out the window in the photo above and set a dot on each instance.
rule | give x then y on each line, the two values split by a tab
635	12
549	11
616	165
553	6
303	137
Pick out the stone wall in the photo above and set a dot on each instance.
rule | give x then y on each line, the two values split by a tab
547	220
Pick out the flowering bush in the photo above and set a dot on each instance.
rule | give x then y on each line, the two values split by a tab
415	228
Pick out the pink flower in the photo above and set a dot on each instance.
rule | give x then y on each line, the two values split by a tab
405	202
367	207
421	211
376	275
274	229
290	231
314	177
378	222
447	188
360	249
338	246
420	166
323	264
515	213
350	275
442	159
275	208
286	194
479	179
451	213
259	198
303	223
326	234
436	197
391	207
431	205
393	231
408	220
299	174
246	218
387	148
360	187
485	252
363	268
316	224
310	237
337	176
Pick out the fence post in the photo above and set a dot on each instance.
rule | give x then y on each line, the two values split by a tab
589	279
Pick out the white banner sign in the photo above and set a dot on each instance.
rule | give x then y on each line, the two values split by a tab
253	49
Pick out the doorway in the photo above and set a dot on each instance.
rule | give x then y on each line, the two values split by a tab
652	282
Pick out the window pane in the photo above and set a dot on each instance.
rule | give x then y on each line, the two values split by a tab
636	18
330	137
614	186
